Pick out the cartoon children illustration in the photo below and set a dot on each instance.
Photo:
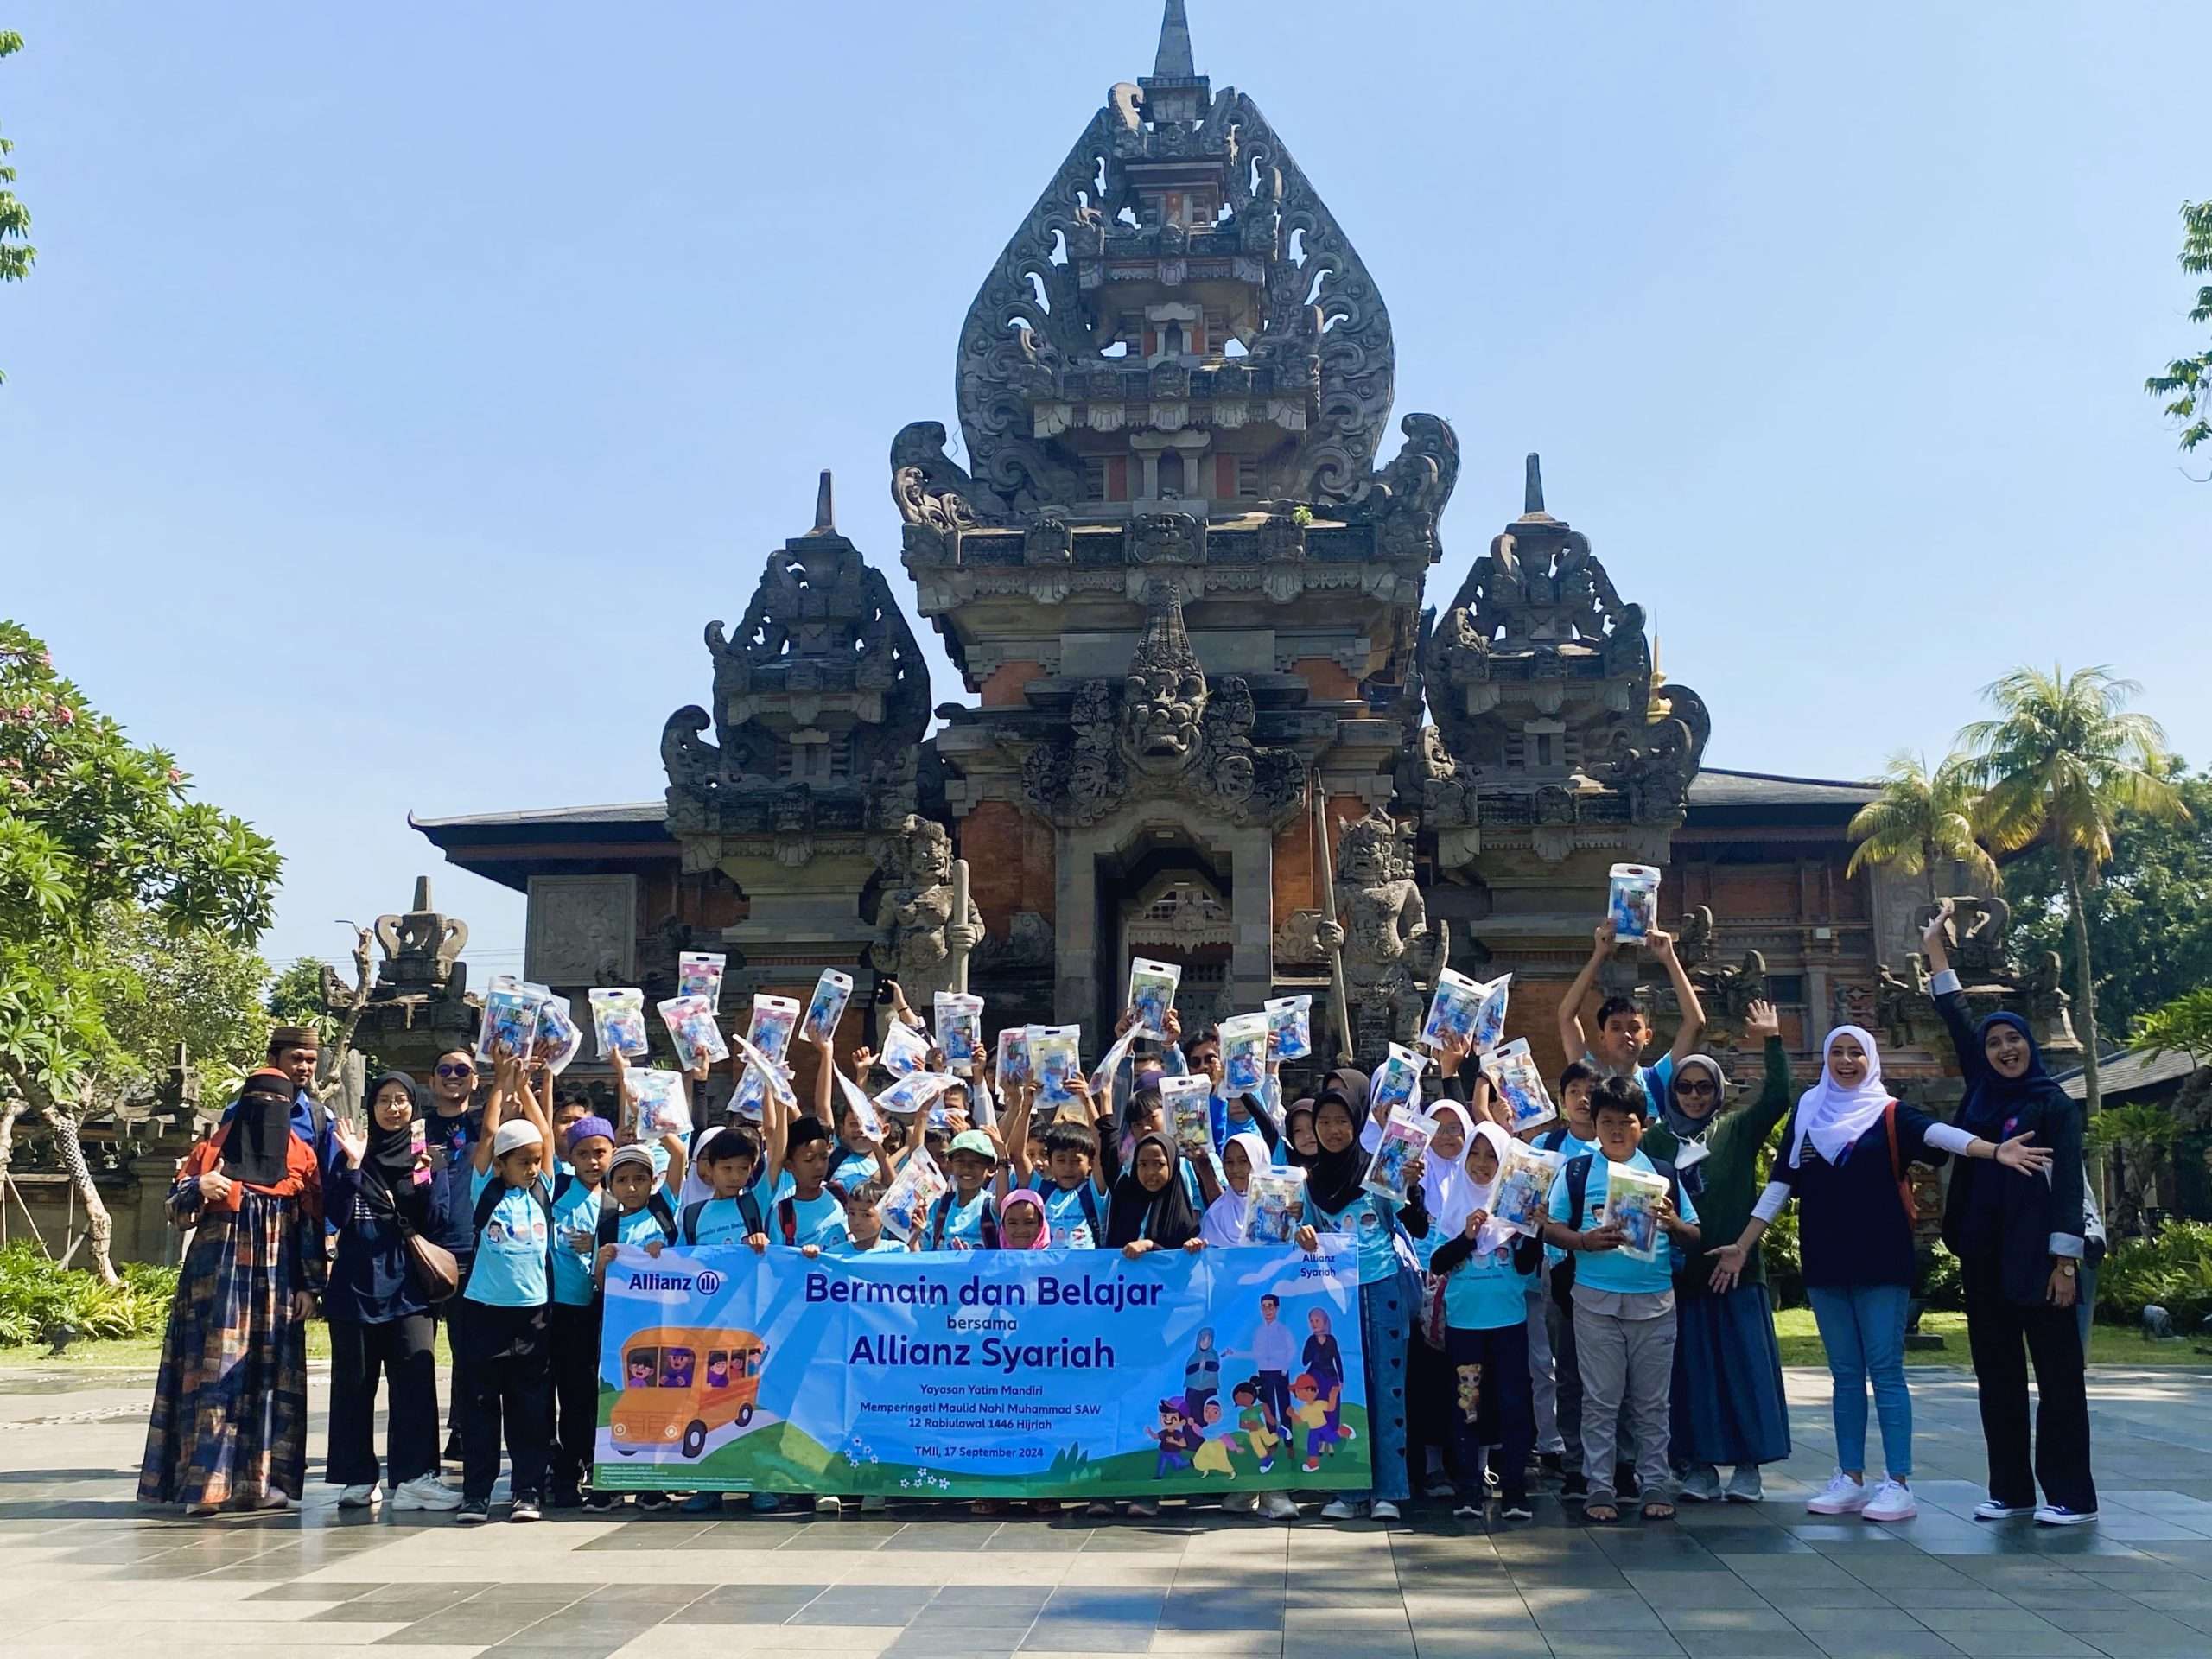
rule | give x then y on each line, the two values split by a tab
1213	1450
1176	1436
1256	1421
641	1368
675	1368
718	1370
1314	1413
1201	1374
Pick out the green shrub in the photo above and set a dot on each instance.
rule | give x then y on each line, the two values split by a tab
1785	1266
1943	1287
38	1297
2173	1270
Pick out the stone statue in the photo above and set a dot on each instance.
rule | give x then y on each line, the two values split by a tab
1901	1004
1391	952
914	913
1725	991
1164	697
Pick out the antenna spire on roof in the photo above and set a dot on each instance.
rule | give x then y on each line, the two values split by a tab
1174	61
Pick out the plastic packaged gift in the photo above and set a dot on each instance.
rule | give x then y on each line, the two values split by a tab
869	1120
914	1091
825	1009
1513	1071
917	1185
699	973
661	1105
1275	1205
509	1022
1290	1023
960	1027
905	1049
617	1021
1523	1199
1396	1082
774	1019
1632	1197
1055	1055
558	1034
691	1027
1405	1137
1634	900
1244	1051
1153	986
1014	1056
1469	1009
1189	1101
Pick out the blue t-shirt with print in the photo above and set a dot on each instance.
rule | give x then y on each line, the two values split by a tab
962	1222
1069	1221
1570	1146
575	1210
722	1221
641	1226
855	1169
1616	1270
1373	1223
1485	1292
842	1245
819	1220
510	1269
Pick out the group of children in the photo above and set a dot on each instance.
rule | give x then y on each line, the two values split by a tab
1496	1353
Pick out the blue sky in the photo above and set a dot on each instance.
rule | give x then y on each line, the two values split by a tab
389	367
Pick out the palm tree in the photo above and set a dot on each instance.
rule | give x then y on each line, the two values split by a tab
2060	763
1922	819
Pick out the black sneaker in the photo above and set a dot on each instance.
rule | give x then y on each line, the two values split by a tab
601	1502
1516	1508
1574	1486
565	1497
653	1502
525	1507
472	1513
1553	1463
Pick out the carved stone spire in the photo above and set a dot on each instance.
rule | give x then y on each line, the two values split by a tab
1174	61
1532	493
1166	647
825	508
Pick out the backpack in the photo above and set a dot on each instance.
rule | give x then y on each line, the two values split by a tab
941	1213
1578	1192
748	1207
489	1201
1093	1217
787	1210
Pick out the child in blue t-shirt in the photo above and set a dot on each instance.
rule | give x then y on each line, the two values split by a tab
1552	1363
579	1195
864	1234
967	1218
1623	1306
509	1366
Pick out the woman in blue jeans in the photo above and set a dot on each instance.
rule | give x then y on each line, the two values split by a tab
1845	1151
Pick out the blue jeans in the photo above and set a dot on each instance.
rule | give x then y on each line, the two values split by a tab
1862	1327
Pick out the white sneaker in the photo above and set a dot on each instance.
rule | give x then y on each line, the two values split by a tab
358	1498
1439	1487
424	1493
1383	1510
1991	1509
826	1504
1702	1484
2057	1515
1744	1485
1242	1503
1143	1507
1842	1496
1278	1506
872	1504
1338	1508
1892	1501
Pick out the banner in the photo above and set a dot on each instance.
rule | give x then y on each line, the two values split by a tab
1069	1374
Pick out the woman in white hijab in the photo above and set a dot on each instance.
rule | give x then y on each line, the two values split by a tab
1846	1151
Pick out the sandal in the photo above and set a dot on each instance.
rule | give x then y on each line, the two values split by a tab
1658	1511
1598	1514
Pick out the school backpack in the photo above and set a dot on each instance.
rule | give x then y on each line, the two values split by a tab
487	1201
941	1214
787	1210
1578	1185
748	1207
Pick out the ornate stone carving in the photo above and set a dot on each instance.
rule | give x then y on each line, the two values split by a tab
1025	949
1391	953
914	910
583	930
1994	976
422	947
1726	990
419	1003
1163	731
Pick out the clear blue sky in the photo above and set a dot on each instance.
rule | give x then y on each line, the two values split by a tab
385	365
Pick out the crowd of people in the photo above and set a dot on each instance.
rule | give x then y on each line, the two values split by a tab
1493	1361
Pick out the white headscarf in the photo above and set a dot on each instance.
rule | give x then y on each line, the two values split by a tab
1832	1116
1222	1224
1446	1189
1494	1232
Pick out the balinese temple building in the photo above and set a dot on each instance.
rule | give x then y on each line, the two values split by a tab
1205	672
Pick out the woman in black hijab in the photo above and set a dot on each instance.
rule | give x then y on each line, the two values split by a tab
1150	1208
382	1189
2019	1239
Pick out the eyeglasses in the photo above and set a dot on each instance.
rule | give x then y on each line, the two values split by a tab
456	1070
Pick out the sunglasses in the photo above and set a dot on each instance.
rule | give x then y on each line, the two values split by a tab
1685	1087
456	1070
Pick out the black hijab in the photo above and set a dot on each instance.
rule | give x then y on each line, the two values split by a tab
257	1142
388	1166
1332	1179
1166	1218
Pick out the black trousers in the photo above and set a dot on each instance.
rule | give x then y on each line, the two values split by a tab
1429	1416
454	1312
361	1356
2003	1337
1495	1404
575	1392
509	1384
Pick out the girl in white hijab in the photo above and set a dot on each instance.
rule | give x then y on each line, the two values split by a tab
1222	1224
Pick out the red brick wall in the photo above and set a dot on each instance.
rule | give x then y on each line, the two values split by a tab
1010	863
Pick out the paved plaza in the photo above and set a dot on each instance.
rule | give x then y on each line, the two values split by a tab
87	1571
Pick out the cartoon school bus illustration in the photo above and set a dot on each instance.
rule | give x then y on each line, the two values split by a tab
680	1382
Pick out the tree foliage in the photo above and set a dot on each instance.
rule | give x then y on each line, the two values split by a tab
16	254
2183	1025
2150	918
2187	383
1922	820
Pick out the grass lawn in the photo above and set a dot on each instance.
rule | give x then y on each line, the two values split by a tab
2109	1344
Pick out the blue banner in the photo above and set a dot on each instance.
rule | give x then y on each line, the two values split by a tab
1069	1374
